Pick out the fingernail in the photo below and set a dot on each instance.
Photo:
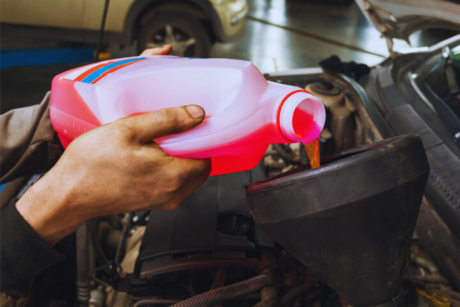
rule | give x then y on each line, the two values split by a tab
195	111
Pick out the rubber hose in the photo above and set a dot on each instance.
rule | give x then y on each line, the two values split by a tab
83	281
121	248
268	297
220	295
93	229
154	301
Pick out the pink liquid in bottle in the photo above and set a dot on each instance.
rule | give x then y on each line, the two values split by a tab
244	112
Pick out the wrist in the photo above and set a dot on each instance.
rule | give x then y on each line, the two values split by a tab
47	208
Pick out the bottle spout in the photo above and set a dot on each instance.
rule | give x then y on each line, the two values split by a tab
301	117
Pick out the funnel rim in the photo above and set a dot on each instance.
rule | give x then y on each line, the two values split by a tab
393	164
350	156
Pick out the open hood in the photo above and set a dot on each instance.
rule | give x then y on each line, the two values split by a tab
401	18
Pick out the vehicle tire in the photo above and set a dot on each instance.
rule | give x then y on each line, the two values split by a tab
188	36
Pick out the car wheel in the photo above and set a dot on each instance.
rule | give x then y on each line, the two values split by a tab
187	36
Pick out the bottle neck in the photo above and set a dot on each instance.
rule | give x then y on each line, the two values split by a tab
301	116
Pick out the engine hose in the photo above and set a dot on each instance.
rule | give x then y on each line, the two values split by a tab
83	281
220	295
121	248
268	297
94	240
155	301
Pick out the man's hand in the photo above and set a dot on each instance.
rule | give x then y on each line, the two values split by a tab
165	50
113	169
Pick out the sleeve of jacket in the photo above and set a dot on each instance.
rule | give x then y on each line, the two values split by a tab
29	144
24	255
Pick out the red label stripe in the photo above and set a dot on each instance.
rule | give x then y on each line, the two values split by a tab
114	69
91	70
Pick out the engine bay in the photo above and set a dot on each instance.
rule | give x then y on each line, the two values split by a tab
212	241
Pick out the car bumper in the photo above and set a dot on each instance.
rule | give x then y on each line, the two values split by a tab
232	16
240	16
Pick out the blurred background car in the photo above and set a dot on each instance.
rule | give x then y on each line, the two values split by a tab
190	26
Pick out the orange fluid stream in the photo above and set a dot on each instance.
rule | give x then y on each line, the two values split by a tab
302	122
312	149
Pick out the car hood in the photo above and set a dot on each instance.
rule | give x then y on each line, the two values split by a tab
401	18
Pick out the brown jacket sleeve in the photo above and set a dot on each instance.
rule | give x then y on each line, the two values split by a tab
28	144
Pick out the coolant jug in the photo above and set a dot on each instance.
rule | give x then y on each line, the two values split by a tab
244	112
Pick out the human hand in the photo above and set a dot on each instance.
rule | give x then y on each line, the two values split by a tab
113	169
165	50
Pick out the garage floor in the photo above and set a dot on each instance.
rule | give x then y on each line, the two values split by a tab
286	34
279	35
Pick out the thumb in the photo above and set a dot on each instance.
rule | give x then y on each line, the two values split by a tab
147	127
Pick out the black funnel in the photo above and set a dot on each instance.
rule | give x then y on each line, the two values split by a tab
351	221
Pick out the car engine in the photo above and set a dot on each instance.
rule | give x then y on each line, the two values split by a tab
211	252
283	234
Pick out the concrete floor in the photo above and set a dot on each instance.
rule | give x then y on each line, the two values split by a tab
279	35
283	34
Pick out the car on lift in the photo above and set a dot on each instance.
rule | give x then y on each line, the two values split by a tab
190	26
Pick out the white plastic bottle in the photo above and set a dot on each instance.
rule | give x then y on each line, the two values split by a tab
244	112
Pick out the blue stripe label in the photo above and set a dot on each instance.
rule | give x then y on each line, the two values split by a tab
96	74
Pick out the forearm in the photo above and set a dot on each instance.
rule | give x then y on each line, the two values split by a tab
48	208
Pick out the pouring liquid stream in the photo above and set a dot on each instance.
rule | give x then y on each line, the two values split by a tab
302	121
312	149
